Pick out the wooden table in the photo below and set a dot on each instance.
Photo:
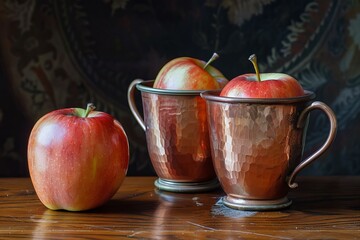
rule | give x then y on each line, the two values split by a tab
323	208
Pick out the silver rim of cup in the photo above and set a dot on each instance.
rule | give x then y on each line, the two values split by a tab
147	86
214	96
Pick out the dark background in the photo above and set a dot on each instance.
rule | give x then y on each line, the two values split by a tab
56	54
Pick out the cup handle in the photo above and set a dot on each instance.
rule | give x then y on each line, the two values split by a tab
331	136
132	105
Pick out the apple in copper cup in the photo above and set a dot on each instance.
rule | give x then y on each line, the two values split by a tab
257	125
175	123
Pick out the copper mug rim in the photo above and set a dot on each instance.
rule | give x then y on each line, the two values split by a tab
147	86
213	95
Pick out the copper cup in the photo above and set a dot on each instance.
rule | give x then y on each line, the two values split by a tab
177	137
257	146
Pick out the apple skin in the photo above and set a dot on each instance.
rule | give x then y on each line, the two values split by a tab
187	73
77	163
272	85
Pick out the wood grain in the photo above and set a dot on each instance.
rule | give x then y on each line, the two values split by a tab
323	208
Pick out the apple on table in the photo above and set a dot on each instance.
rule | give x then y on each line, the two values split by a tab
262	85
77	158
186	73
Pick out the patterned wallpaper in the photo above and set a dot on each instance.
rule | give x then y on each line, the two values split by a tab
65	53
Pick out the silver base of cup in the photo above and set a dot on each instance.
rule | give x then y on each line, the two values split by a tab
256	205
186	187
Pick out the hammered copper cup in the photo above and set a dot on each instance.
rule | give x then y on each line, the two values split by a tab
257	146
177	137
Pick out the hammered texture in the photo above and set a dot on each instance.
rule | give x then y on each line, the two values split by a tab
177	137
254	147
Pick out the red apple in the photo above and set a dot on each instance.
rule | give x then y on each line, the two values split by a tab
187	73
77	158
264	85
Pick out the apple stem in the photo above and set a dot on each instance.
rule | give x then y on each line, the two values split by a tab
253	60
89	108
213	58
